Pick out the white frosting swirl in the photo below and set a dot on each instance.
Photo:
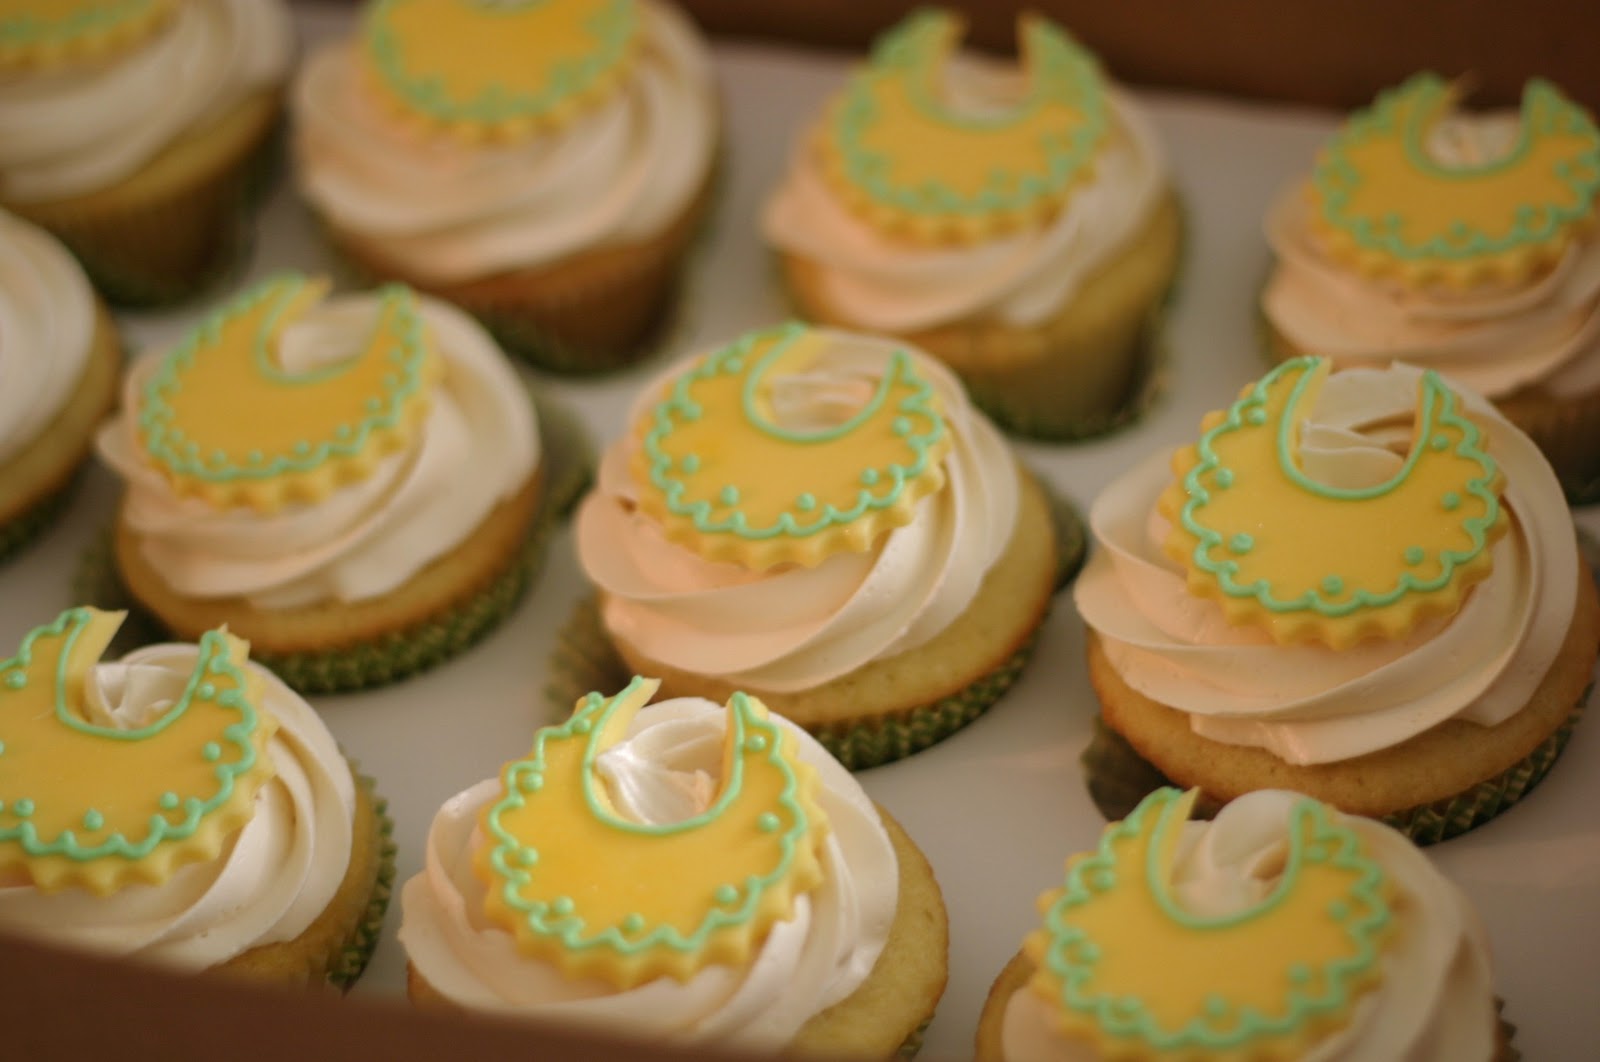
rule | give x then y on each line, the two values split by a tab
1435	1002
278	874
1495	338
85	126
795	628
449	211
1307	703
477	445
665	770
47	322
889	285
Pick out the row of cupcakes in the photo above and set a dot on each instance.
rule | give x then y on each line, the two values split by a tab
545	167
694	873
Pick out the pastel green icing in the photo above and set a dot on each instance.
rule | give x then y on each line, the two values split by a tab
925	429
166	443
1439	407
1544	109
212	659
1072	957
1060	66
737	901
613	28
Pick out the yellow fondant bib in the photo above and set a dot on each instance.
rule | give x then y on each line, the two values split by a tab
601	896
100	807
897	153
498	69
1128	969
724	478
1310	562
223	420
1382	203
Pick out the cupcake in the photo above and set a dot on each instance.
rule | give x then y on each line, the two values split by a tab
136	131
681	872
543	166
1458	242
182	807
59	359
1018	224
349	484
1282	929
821	520
1362	586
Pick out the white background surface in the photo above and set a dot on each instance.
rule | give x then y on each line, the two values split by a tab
999	806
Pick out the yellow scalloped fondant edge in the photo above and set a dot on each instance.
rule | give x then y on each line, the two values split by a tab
98	40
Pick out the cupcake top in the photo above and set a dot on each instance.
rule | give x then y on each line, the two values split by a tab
92	90
294	450
1338	564
795	505
1283	928
940	186
1455	241
577	124
681	871
181	805
47	324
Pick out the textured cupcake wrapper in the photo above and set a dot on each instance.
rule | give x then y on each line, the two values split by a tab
583	660
346	967
395	655
1117	778
913	1043
19	532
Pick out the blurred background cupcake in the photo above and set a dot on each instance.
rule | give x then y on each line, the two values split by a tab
59	362
136	131
1016	221
1462	242
182	806
1362	586
544	166
352	483
1282	929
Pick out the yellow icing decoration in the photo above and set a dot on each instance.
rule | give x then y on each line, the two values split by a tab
605	897
1310	562
223	420
896	152
724	478
49	33
91	805
498	69
1131	971
1385	205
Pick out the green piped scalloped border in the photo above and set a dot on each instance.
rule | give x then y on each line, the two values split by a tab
164	441
614	26
20	31
1435	394
906	49
1543	107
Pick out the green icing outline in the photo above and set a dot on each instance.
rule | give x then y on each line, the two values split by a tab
1438	401
680	405
590	720
1055	56
165	442
614	27
212	659
1128	1017
23	30
1544	108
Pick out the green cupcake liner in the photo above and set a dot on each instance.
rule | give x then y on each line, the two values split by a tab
347	966
17	533
583	660
1117	778
396	655
913	1043
1072	540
